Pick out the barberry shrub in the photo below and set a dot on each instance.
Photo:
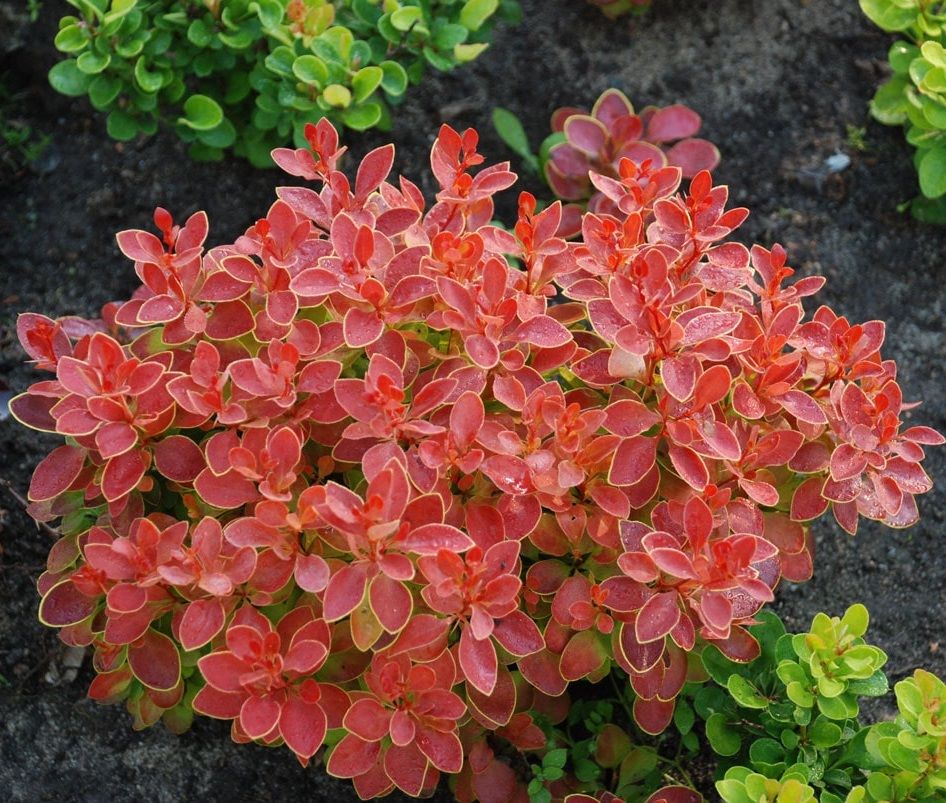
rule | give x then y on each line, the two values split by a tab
389	478
915	95
586	149
251	75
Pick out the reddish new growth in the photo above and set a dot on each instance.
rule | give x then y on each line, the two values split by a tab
598	142
389	473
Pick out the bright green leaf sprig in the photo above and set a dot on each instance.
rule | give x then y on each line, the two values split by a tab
786	724
249	74
909	753
833	666
915	96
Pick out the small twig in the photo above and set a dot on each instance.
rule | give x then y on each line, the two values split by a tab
19	498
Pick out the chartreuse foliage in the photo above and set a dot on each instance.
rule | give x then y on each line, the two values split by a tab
915	96
384	479
249	74
786	725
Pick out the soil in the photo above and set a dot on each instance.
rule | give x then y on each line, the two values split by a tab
778	83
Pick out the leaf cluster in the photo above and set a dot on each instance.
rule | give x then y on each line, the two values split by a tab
915	95
250	74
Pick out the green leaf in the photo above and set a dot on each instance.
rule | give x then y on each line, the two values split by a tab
93	63
824	733
364	116
449	36
475	12
932	170
366	81
900	56
149	82
767	752
270	12
837	707
67	78
637	765
337	96
199	34
683	717
341	39
555	758
406	17
103	91
72	39
201	113
856	619
120	9
934	53
510	131
437	60
874	686
121	126
887	15
744	693
394	81
310	70
723	739
466	53
223	136
889	105
928	210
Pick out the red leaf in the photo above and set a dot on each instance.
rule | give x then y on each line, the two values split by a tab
518	634
155	660
499	706
633	458
202	620
179	459
584	654
429	539
442	748
345	591
122	475
56	472
352	757
653	715
374	169
658	617
478	661
259	716
391	602
65	605
303	726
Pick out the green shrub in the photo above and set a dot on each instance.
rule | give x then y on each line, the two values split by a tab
249	74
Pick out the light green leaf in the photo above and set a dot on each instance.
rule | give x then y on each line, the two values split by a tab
201	113
93	63
366	81
932	170
407	17
310	70
475	12
362	117
72	39
67	78
147	81
394	81
722	738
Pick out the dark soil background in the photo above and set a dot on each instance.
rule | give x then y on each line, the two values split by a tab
778	83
